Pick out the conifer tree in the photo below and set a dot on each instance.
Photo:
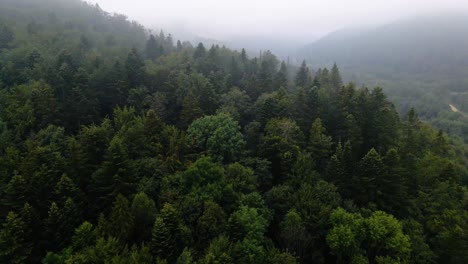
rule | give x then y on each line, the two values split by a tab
121	221
335	78
152	48
161	245
200	51
281	78
367	183
302	76
134	68
320	145
15	246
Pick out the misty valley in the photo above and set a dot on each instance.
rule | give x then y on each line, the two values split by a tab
124	144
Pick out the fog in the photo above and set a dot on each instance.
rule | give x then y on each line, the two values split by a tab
292	21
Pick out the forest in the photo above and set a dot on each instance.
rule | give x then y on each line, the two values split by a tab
123	145
420	62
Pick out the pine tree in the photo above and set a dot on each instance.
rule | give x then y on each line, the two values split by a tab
440	144
134	68
6	37
191	109
121	219
70	217
302	76
367	183
83	237
52	227
265	78
144	213
325	78
335	78
179	46
14	241
320	145
161	245
281	78
200	51
152	48
336	171
66	188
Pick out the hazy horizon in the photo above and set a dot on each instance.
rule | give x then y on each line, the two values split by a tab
301	20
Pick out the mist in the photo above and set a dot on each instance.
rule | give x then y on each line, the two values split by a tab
281	26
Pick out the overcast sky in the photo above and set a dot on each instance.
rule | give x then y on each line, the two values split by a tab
226	18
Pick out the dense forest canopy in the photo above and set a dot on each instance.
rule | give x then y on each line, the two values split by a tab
420	62
122	145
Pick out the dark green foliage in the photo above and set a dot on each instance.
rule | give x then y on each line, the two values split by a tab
121	220
15	247
116	146
153	49
302	76
144	212
6	36
219	135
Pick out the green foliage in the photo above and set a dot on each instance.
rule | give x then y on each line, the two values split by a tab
143	210
379	237
116	146
219	135
15	247
121	220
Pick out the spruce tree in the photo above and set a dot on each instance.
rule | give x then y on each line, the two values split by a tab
335	78
281	78
152	48
161	245
302	76
121	219
200	51
15	246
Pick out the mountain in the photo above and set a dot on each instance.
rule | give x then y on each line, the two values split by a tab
420	62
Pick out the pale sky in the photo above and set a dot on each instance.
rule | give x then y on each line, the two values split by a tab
221	19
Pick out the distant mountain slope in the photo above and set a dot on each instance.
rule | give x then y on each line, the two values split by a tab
420	62
431	46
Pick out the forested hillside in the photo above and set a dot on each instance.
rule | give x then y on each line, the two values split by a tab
420	62
119	146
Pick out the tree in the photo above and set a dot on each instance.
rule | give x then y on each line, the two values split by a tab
144	213
85	236
6	36
281	78
247	223
281	146
14	244
152	49
211	223
190	109
161	244
53	227
367	185
302	76
134	68
121	219
65	189
294	234
319	144
378	238
200	51
219	251
219	135
335	78
185	257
